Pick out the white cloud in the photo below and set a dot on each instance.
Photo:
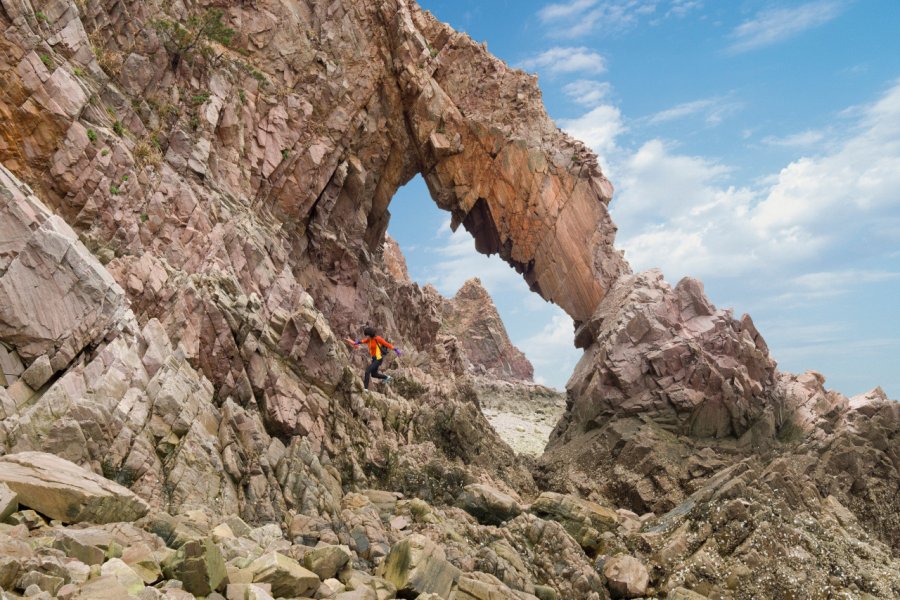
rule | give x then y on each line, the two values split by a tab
566	60
796	140
777	25
460	261
560	11
680	213
578	18
552	350
587	92
598	128
713	109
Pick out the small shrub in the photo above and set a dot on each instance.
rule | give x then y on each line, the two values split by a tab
92	135
114	190
78	71
124	178
200	98
48	62
242	96
196	33
285	153
41	16
147	154
194	123
144	217
119	128
104	152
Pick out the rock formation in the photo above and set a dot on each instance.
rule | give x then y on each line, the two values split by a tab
188	230
472	317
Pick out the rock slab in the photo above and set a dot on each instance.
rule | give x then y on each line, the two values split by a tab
62	490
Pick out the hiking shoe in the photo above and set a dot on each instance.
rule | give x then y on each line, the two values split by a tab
365	390
388	379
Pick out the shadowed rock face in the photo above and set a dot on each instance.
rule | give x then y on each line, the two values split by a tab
237	204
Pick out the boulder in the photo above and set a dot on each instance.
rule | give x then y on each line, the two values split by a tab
584	520
9	502
285	575
418	565
626	576
487	504
199	565
62	490
327	561
124	574
482	586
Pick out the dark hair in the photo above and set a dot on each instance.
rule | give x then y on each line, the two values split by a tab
370	331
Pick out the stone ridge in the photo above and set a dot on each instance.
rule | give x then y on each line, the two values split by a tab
238	198
472	317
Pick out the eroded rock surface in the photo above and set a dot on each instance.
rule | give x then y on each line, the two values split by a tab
208	225
472	317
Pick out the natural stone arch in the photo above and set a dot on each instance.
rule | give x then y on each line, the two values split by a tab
493	158
438	104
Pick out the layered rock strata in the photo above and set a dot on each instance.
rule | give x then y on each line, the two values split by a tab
210	226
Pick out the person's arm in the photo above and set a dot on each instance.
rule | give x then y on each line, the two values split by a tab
387	344
362	341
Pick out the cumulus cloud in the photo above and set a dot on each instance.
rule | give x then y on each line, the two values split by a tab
681	212
773	26
587	92
598	128
560	60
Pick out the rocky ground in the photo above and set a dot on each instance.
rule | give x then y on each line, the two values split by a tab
192	220
523	414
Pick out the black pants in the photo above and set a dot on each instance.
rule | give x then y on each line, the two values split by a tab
372	370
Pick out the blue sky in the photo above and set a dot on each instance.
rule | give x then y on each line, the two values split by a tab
754	144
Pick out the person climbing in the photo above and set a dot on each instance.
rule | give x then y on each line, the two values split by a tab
376	345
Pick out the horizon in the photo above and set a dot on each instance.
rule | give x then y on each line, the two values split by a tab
781	193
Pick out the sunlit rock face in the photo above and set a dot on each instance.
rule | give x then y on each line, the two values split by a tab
207	227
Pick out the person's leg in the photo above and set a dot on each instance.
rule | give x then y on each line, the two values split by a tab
373	366
375	373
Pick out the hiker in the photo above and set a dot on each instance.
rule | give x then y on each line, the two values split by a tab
376	345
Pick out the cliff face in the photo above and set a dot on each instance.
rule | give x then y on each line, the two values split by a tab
204	224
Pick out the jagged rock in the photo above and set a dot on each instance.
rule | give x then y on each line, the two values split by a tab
55	297
327	561
285	575
38	373
249	591
626	576
482	586
9	502
490	506
584	520
65	491
199	565
124	574
472	317
417	565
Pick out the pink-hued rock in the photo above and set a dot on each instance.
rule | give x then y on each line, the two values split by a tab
63	490
55	296
472	317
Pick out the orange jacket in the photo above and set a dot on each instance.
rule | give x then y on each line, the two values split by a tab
375	344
